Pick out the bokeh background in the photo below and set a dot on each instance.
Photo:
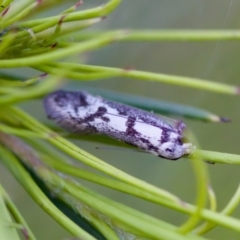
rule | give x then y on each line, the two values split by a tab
218	61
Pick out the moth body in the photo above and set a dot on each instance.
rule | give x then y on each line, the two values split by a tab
81	112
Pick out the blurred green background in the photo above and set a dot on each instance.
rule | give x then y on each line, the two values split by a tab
217	61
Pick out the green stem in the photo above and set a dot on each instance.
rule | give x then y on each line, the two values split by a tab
151	77
16	214
171	35
30	186
43	87
231	206
86	14
218	157
201	174
109	210
61	53
6	230
18	16
21	132
102	227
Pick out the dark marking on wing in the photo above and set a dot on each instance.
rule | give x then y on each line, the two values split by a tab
130	123
164	136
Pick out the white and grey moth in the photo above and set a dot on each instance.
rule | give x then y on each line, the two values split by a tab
85	113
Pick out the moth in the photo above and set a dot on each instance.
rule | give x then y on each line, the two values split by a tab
81	112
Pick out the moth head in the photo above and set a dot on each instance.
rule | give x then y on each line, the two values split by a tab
174	150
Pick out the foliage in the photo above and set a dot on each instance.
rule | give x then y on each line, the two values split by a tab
32	151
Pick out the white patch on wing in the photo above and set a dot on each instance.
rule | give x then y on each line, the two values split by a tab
115	122
149	132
